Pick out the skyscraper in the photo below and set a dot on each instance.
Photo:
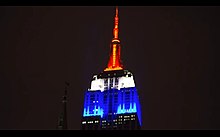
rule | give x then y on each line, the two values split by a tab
112	101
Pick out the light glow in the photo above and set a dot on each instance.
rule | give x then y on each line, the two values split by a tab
111	68
115	33
114	60
125	101
114	55
123	82
122	110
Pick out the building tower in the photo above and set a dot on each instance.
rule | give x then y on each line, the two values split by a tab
62	121
112	101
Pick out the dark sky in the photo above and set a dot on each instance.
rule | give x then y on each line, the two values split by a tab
171	50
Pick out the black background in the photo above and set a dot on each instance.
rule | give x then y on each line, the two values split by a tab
171	50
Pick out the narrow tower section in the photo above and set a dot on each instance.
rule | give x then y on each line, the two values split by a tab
114	62
62	123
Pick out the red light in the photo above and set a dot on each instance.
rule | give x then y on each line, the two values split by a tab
114	61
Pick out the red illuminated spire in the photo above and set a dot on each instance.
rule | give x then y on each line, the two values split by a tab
115	60
115	31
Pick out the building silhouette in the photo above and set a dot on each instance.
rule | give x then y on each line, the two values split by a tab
62	121
112	101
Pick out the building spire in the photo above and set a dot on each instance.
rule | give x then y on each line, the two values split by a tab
115	53
62	123
115	31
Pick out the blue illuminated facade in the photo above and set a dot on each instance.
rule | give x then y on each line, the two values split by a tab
112	102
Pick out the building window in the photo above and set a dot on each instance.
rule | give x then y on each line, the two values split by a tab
116	81
111	80
111	85
106	88
92	97
106	82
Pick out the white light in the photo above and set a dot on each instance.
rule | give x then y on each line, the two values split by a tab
97	84
126	82
123	82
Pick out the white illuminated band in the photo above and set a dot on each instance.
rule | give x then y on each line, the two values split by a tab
123	82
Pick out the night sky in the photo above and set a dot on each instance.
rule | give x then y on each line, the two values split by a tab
171	50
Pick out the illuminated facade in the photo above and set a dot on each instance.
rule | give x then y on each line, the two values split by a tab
112	101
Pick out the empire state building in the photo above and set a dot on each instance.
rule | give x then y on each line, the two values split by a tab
112	101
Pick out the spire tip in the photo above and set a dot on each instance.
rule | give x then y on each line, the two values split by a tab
116	11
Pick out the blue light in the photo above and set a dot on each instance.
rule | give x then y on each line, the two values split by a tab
130	110
96	112
113	101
